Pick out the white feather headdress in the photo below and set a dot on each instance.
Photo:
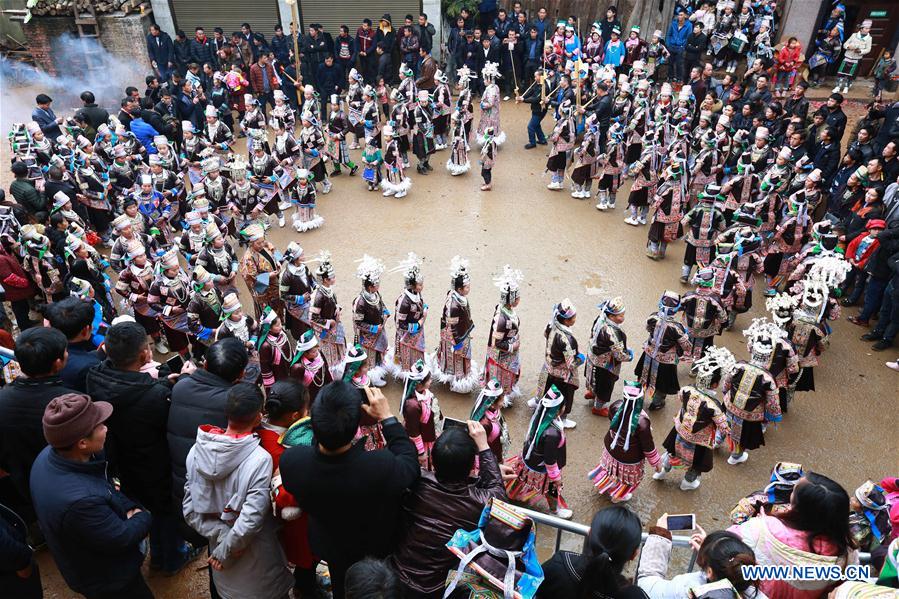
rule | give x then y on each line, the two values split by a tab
509	283
369	270
459	270
410	266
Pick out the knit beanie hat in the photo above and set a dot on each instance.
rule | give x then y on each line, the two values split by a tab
72	417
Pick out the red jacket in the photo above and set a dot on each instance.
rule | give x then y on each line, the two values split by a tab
15	280
256	83
866	255
788	59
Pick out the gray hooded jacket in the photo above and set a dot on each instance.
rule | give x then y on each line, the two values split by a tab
227	500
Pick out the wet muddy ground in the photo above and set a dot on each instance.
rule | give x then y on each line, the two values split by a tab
567	249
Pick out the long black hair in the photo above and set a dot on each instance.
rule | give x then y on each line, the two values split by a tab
285	397
613	539
820	507
725	553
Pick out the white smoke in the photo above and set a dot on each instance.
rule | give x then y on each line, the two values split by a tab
20	83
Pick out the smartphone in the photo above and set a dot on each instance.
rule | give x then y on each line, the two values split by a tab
453	423
175	364
681	522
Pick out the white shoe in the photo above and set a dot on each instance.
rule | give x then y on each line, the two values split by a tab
610	205
507	401
283	205
586	194
641	220
659	475
555	185
890	365
161	347
564	513
281	221
686	485
401	194
505	98
738	460
846	89
326	187
569	423
532	403
627	497
388	193
601	206
835	90
576	193
632	221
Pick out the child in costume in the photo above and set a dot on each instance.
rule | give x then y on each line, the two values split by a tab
421	413
372	159
626	445
309	366
487	411
355	372
503	362
454	363
488	158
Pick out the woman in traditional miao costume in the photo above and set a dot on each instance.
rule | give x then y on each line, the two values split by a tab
487	411
369	316
490	103
503	362
625	447
538	468
421	413
395	183
324	314
458	162
453	362
410	313
355	372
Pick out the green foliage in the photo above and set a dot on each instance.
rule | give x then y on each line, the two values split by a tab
452	8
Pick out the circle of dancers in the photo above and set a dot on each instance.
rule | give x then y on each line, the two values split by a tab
183	220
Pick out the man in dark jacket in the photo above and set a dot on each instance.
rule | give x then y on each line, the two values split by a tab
835	117
74	317
351	495
92	113
827	157
365	47
797	105
882	290
200	399
313	49
329	79
24	192
41	354
425	32
890	129
136	444
427	70
44	116
281	45
345	51
697	42
19	573
441	503
93	530
161	51
385	63
182	52
534	97
201	49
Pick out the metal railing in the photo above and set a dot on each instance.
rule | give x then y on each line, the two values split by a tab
581	530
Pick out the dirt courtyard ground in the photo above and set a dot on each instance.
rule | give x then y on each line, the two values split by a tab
567	249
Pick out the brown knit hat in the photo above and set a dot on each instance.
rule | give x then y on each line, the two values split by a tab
72	417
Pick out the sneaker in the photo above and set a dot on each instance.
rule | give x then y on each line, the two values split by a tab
835	90
632	221
871	336
659	475
326	187
532	403
161	346
846	89
486	187
564	513
893	366
857	321
388	193
882	345
847	302
192	554
641	220
542	143
530	146
401	194
610	205
569	423
281	221
686	485
734	460
507	401
627	497
601	206
505	98
336	172
603	411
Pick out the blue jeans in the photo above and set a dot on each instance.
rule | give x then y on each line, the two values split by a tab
535	133
888	322
856	279
873	296
167	549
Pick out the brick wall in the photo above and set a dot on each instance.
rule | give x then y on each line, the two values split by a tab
122	36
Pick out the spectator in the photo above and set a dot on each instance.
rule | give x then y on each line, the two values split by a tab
365	46
676	41
891	203
797	104
41	354
19	573
425	32
143	131
330	481
201	49
218	44
864	144
75	319
879	274
227	500
259	46
427	70
385	63
90	112
329	79
609	24
93	530
719	556
182	52
161	51
441	503
23	191
136	441
858	253
345	50
613	541
44	116
264	82
313	50
371	579
827	157
815	531
281	45
697	43
126	111
834	116
200	399
409	45
17	284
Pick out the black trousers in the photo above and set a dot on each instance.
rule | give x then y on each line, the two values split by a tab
136	589
487	174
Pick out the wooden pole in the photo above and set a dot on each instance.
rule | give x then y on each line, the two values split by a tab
295	21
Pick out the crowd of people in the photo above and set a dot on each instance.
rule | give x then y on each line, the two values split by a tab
264	439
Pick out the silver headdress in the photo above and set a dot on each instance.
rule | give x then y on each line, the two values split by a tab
369	270
509	284
410	266
325	269
761	340
781	307
490	70
715	361
459	274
